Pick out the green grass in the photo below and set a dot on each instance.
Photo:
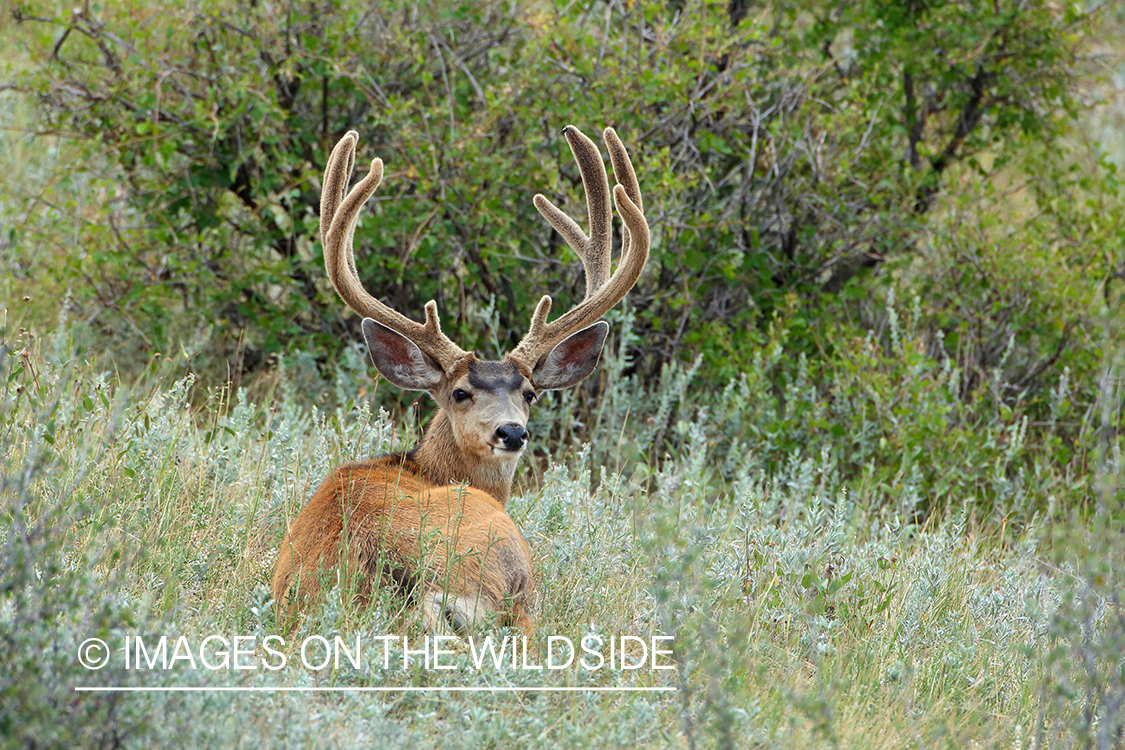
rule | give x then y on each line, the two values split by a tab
801	618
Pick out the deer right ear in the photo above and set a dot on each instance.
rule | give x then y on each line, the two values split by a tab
399	360
572	360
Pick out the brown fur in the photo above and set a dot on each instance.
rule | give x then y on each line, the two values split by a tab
434	517
444	540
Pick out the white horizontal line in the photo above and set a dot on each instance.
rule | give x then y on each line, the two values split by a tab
434	689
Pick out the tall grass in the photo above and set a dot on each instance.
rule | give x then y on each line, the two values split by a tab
803	615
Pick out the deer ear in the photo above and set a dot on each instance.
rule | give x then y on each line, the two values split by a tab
399	360
572	360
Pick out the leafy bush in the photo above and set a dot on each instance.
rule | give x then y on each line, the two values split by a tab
781	150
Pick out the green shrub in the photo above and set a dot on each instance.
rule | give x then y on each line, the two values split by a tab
787	150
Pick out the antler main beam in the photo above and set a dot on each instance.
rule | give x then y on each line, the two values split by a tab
339	214
602	290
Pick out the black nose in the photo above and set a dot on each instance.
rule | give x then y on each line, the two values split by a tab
513	436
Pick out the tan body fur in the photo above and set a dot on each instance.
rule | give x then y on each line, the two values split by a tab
431	522
451	546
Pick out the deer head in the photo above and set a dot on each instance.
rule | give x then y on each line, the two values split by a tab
480	429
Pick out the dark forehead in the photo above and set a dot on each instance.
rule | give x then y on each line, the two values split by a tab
495	376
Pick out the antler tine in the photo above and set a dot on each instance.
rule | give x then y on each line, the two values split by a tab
336	178
337	175
625	176
339	214
542	336
593	250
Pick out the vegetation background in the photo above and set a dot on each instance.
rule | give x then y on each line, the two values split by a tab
856	441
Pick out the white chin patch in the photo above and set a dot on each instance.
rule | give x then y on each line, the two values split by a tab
501	451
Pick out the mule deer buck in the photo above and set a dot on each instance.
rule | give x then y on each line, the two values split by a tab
431	521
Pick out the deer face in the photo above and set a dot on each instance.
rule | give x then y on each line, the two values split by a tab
487	403
488	407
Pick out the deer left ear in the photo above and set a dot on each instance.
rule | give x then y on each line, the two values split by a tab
398	359
572	360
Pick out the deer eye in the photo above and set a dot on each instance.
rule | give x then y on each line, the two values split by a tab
529	396
460	395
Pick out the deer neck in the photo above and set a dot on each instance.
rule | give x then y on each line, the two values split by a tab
441	461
